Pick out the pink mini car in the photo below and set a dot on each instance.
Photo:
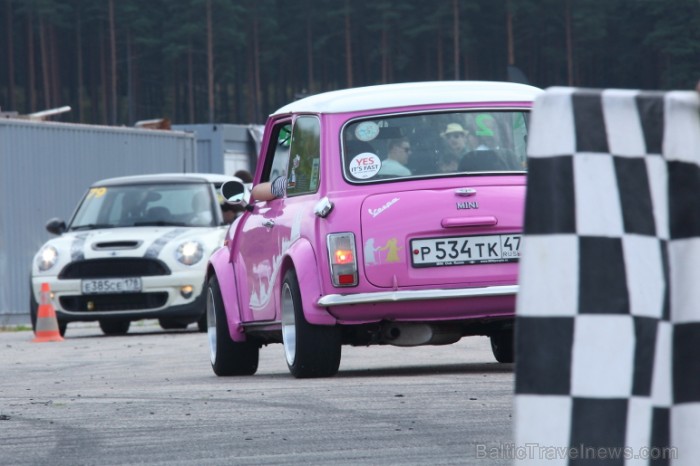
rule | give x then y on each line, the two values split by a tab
398	221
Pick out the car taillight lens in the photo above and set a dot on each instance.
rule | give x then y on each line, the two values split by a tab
341	252
344	256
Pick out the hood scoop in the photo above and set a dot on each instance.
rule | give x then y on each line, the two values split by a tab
114	245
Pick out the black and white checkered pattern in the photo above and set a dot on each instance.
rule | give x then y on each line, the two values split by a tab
608	314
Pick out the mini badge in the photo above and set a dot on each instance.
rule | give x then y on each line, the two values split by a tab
365	165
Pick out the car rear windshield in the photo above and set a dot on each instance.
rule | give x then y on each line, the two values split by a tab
435	145
163	204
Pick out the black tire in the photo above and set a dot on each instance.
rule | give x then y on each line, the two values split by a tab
202	323
502	346
115	327
310	350
34	312
227	357
170	324
33	308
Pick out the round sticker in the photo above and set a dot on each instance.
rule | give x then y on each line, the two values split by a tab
366	131
365	165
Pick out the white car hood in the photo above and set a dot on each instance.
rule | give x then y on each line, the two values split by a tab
149	242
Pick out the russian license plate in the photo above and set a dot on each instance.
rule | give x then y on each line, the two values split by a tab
111	285
462	250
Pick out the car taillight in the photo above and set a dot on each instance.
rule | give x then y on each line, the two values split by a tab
343	256
341	252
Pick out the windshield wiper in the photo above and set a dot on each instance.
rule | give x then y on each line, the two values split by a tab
92	226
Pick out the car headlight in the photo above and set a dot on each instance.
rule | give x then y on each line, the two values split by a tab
189	252
47	258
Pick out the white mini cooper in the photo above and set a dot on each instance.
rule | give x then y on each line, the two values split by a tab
136	247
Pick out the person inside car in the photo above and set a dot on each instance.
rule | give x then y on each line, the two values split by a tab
201	213
269	190
457	140
482	159
447	162
399	151
230	212
244	176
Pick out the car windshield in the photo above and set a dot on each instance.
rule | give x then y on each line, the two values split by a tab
175	204
435	144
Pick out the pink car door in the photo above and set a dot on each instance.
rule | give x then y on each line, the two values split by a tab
275	225
258	254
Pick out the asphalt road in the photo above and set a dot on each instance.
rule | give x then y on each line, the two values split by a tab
150	397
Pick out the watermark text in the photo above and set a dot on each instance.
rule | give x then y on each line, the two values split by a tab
535	451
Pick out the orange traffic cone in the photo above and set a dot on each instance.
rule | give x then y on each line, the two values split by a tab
46	321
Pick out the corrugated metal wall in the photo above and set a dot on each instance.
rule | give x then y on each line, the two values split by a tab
45	169
214	141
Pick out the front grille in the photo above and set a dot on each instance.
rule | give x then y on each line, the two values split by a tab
113	302
116	245
114	267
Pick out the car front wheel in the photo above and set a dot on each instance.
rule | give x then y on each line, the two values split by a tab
311	350
502	346
170	324
228	357
33	308
115	327
202	323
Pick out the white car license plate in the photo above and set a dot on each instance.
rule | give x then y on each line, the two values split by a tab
461	250
111	285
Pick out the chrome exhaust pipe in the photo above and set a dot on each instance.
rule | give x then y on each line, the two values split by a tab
410	334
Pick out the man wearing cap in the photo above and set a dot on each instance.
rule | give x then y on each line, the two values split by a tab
479	158
456	138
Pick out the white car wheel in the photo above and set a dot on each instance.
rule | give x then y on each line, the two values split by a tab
227	357
310	350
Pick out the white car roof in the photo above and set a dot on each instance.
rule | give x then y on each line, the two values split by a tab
408	94
166	177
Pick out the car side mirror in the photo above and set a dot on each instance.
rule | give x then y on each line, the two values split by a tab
234	193
56	226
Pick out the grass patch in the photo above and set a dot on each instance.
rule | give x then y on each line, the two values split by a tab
15	328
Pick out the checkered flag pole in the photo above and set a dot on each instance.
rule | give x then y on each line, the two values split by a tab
608	313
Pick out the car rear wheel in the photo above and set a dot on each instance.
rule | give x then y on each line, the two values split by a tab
502	346
228	357
115	327
311	350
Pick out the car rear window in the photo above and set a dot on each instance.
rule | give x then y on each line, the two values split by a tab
434	145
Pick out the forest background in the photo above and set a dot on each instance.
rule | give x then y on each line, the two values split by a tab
116	62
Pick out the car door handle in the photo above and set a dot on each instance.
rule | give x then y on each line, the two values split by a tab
468	221
465	192
269	223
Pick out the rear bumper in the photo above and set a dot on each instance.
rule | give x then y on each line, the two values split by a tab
407	296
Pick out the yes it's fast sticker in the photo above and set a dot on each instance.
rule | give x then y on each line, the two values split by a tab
365	165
